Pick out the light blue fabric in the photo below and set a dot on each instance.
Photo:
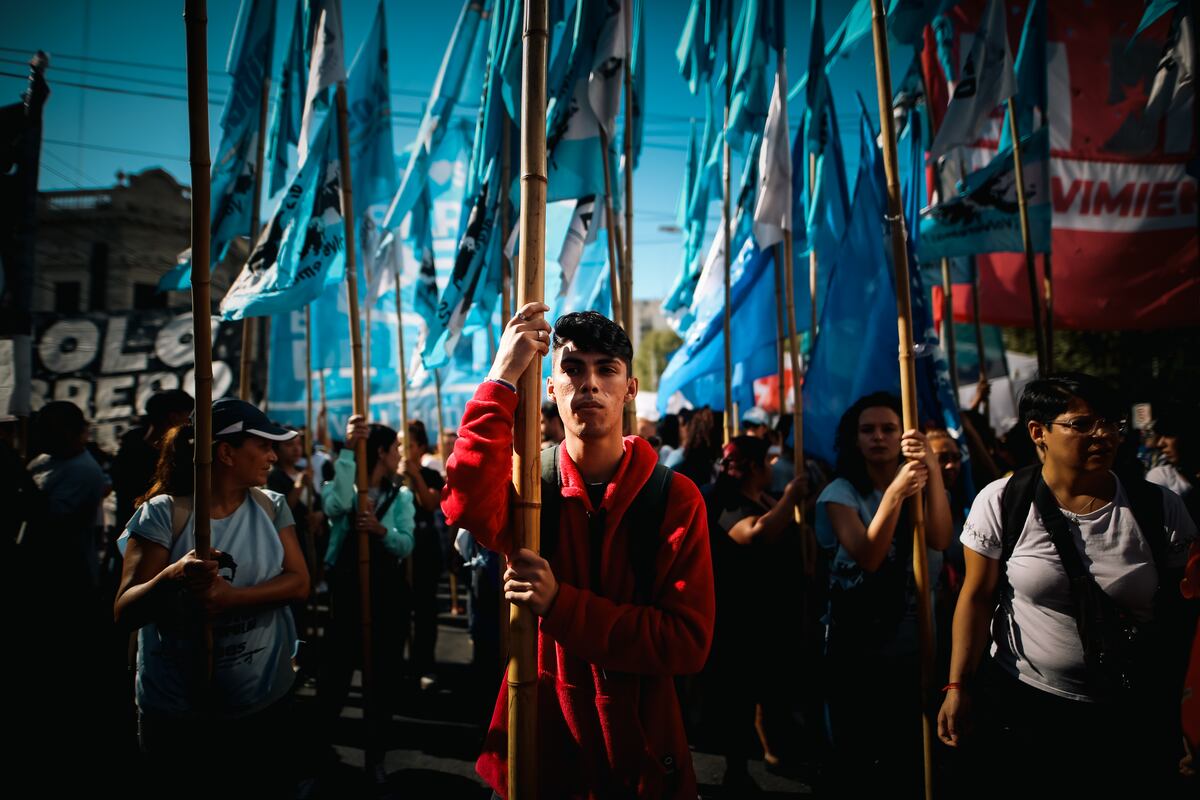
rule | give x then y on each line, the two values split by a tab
252	647
339	499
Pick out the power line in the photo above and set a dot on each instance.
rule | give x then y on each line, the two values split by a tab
138	64
114	90
121	150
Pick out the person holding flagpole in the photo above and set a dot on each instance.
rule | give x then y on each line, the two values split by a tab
623	586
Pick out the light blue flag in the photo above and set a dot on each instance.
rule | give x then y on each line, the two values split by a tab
303	248
1030	67
500	94
697	369
235	166
449	89
984	216
372	154
855	352
284	130
751	57
703	33
637	69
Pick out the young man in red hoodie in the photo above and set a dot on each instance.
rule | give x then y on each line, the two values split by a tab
613	632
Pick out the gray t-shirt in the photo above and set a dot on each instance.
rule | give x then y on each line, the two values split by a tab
252	648
1034	635
844	571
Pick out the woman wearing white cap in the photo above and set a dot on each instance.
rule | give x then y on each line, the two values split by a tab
232	721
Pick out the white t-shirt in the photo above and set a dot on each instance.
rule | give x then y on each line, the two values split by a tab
252	647
1034	634
1167	476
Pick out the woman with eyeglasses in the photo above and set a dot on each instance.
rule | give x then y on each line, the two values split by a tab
1089	719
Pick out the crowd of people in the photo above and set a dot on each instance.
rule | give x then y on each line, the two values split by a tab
736	597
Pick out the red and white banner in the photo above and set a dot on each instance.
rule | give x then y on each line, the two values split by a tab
1125	222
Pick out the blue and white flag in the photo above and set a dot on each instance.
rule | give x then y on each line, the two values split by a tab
703	33
284	130
752	39
327	67
372	158
984	217
236	164
303	248
987	81
449	89
1031	96
773	213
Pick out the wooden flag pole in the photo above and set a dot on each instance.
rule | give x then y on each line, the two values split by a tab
367	344
730	422
247	357
610	224
627	234
250	324
1048	295
908	374
437	392
948	325
372	754
403	365
781	337
195	17
1027	241
522	671
310	544
812	256
506	287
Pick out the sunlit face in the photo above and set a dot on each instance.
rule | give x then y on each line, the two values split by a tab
1066	448
879	435
248	464
591	390
948	456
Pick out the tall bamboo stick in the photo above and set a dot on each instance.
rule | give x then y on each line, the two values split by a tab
527	501
1027	240
403	365
1048	295
367	346
310	542
506	287
247	356
195	17
948	324
627	234
726	171
250	324
437	392
781	339
372	754
812	256
611	234
978	324
908	374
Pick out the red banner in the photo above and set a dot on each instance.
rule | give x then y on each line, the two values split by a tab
1125	223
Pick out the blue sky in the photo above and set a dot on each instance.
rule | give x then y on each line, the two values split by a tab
136	46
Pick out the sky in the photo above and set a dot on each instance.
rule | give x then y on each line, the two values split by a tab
135	49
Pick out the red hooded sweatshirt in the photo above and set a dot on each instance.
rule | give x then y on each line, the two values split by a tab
609	722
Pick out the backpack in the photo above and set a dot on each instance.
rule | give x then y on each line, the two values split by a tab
649	506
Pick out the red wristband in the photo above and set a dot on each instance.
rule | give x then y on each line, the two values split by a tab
952	685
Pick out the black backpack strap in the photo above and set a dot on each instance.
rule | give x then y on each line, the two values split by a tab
551	502
1015	501
1146	500
388	499
646	515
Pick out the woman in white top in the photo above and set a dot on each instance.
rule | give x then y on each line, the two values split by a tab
1179	440
1034	700
226	720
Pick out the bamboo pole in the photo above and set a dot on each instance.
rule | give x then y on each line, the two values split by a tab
506	289
730	422
372	754
437	393
247	357
522	670
196	22
610	223
781	338
1048	295
812	255
948	324
908	375
403	365
979	343
627	259
1026	240
310	543
195	16
367	347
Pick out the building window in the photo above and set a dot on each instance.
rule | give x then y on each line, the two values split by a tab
66	297
146	296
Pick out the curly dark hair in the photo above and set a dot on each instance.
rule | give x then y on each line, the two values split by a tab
593	332
850	462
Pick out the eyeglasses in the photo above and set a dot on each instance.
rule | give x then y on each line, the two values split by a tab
1090	426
